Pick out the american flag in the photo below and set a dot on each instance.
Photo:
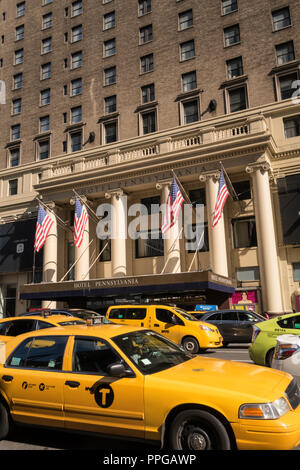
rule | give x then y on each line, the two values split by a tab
174	202
43	225
221	199
80	220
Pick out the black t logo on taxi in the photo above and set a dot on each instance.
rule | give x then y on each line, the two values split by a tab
104	396
42	387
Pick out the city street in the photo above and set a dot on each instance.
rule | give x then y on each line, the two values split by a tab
37	439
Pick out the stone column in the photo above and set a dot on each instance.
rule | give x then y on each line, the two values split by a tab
82	253
172	262
50	257
119	232
266	238
216	235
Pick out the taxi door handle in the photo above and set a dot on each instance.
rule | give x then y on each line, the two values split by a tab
72	383
7	378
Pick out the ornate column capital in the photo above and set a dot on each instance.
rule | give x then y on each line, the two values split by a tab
162	183
262	166
72	200
210	174
114	193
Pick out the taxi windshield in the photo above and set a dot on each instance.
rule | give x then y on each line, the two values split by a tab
185	315
150	352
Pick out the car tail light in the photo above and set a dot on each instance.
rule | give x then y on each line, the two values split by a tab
255	333
283	351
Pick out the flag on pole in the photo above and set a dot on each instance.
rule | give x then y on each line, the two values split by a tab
80	220
43	225
221	199
174	202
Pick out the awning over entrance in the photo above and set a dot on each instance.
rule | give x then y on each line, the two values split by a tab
130	286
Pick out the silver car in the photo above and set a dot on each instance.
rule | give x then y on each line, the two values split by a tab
287	355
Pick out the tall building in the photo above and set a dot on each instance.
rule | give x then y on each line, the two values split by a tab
108	99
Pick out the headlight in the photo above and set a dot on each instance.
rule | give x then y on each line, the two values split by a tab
206	328
273	410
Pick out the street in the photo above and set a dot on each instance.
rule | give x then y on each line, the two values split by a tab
24	438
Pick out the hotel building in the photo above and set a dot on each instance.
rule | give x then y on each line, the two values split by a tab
108	99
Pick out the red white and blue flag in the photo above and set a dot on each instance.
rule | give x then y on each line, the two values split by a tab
43	225
80	220
221	199
174	202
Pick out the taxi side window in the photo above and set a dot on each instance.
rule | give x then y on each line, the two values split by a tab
43	352
117	313
4	327
290	323
214	317
136	313
246	316
93	355
166	316
18	327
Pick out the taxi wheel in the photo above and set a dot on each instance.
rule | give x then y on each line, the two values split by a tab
190	345
4	422
198	430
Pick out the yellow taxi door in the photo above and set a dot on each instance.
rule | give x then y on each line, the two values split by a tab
167	323
32	379
96	402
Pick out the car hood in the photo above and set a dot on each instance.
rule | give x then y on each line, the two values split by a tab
242	380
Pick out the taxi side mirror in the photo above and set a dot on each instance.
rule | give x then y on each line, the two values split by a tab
117	370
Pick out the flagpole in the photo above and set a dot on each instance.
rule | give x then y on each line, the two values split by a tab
230	184
62	223
33	267
96	219
98	256
196	251
75	262
182	188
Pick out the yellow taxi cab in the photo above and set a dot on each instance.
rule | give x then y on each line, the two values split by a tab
174	323
131	382
15	326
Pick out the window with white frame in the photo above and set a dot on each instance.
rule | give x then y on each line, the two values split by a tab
146	34
21	9
17	81
144	7
76	33
110	131
147	63
15	132
292	127
47	21
148	93
44	123
76	87
285	52
76	60
232	35
76	114
46	45
234	67
17	106
46	71
288	84
148	121
189	81
76	8
281	18
14	157
110	76
43	149
187	50
109	47
190	111
109	20
45	97
19	56
19	32
237	98
13	187
185	20
228	6
110	104
76	141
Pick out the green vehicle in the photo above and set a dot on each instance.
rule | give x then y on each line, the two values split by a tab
265	333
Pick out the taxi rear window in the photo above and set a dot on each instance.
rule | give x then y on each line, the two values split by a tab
290	323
